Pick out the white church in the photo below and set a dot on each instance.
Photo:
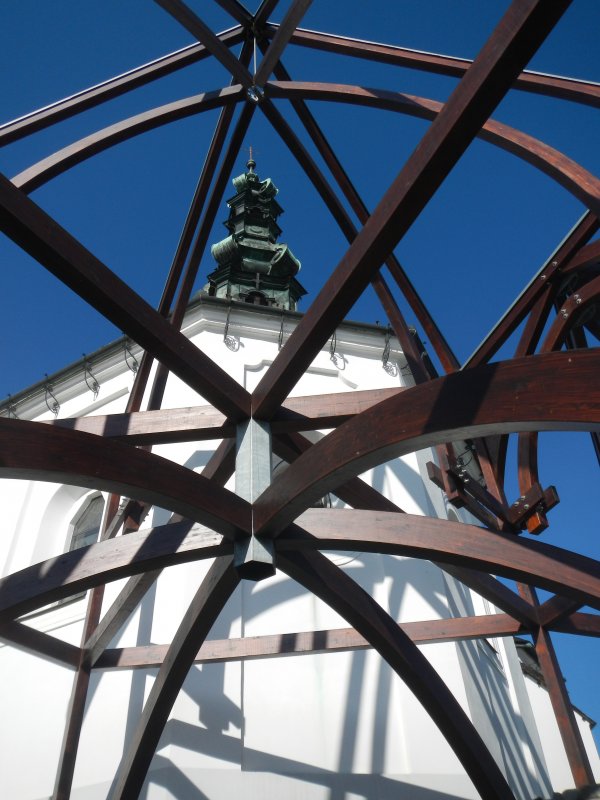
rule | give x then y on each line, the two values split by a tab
301	707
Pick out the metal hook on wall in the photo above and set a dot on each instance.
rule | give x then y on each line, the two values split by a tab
385	356
332	346
11	409
50	397
130	359
90	378
226	331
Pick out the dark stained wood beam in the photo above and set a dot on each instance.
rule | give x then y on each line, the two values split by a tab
572	176
316	573
111	88
202	423
311	642
237	10
34	451
358	494
193	240
285	30
218	469
588	256
81	682
569	312
192	22
41	644
494	591
347	226
75	153
50	244
456	543
207	604
212	206
575	90
536	322
199	198
580	623
561	703
556	609
517	37
265	10
497	398
97	564
575	240
72	732
568	173
128	599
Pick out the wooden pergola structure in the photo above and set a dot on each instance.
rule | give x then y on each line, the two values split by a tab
551	383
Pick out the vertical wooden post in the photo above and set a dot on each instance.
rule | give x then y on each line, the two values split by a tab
559	697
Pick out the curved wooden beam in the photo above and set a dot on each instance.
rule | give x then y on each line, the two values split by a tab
577	238
106	561
55	164
567	315
571	176
340	592
218	586
588	256
113	87
495	398
359	494
346	225
569	312
441	540
34	451
181	253
66	258
516	38
573	89
439	343
566	172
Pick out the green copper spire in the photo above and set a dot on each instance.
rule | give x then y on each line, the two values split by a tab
251	266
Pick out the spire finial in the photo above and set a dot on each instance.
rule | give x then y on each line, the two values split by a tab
251	163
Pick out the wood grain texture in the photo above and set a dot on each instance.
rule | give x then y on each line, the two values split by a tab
311	642
440	540
339	591
34	451
100	563
496	398
215	590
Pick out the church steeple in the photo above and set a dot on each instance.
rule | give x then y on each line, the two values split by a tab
251	265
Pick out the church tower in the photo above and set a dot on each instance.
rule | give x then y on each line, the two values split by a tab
251	265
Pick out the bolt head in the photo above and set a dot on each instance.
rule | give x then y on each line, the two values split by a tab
255	94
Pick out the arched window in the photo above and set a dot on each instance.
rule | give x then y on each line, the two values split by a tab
257	298
83	530
85	527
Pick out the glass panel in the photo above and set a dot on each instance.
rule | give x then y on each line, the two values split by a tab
87	527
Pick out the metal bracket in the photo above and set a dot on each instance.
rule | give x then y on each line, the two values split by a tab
50	398
90	378
253	557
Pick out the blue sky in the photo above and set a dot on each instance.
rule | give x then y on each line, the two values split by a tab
476	245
